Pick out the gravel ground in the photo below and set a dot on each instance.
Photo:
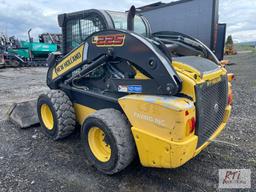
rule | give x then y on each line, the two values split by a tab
29	161
20	84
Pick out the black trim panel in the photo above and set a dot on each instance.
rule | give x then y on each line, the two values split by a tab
90	99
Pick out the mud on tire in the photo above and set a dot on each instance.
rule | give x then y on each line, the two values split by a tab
63	114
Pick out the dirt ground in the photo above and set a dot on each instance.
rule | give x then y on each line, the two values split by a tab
20	84
29	161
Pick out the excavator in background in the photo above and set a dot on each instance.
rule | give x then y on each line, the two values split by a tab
18	53
51	38
8	59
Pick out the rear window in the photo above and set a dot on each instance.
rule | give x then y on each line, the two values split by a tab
79	29
120	22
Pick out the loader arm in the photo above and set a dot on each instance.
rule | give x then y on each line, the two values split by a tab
102	47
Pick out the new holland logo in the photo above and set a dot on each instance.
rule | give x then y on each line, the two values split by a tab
68	62
71	60
109	40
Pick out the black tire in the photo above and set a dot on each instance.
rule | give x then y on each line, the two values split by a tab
118	134
63	113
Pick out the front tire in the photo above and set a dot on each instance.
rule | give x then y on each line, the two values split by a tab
56	114
107	140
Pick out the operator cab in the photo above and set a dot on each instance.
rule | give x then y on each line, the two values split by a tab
77	26
178	48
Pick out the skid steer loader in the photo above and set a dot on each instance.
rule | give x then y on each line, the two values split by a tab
163	96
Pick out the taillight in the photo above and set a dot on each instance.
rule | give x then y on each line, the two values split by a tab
191	125
230	93
230	97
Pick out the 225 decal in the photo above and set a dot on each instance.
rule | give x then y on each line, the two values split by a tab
109	40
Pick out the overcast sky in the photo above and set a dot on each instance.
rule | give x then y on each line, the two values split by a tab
17	16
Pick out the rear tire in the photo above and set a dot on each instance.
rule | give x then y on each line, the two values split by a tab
116	134
56	114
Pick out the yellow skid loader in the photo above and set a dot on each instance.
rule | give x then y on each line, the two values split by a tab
162	95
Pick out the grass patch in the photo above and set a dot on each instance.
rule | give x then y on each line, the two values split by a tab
244	47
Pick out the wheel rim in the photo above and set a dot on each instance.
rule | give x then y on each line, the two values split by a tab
97	142
47	116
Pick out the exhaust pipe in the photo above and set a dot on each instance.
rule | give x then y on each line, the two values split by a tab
29	37
130	18
30	45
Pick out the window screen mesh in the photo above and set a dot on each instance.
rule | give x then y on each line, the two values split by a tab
79	29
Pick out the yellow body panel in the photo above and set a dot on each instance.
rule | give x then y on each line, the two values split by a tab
188	85
214	75
159	115
194	74
191	77
72	60
82	112
156	151
159	122
157	148
185	68
159	128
